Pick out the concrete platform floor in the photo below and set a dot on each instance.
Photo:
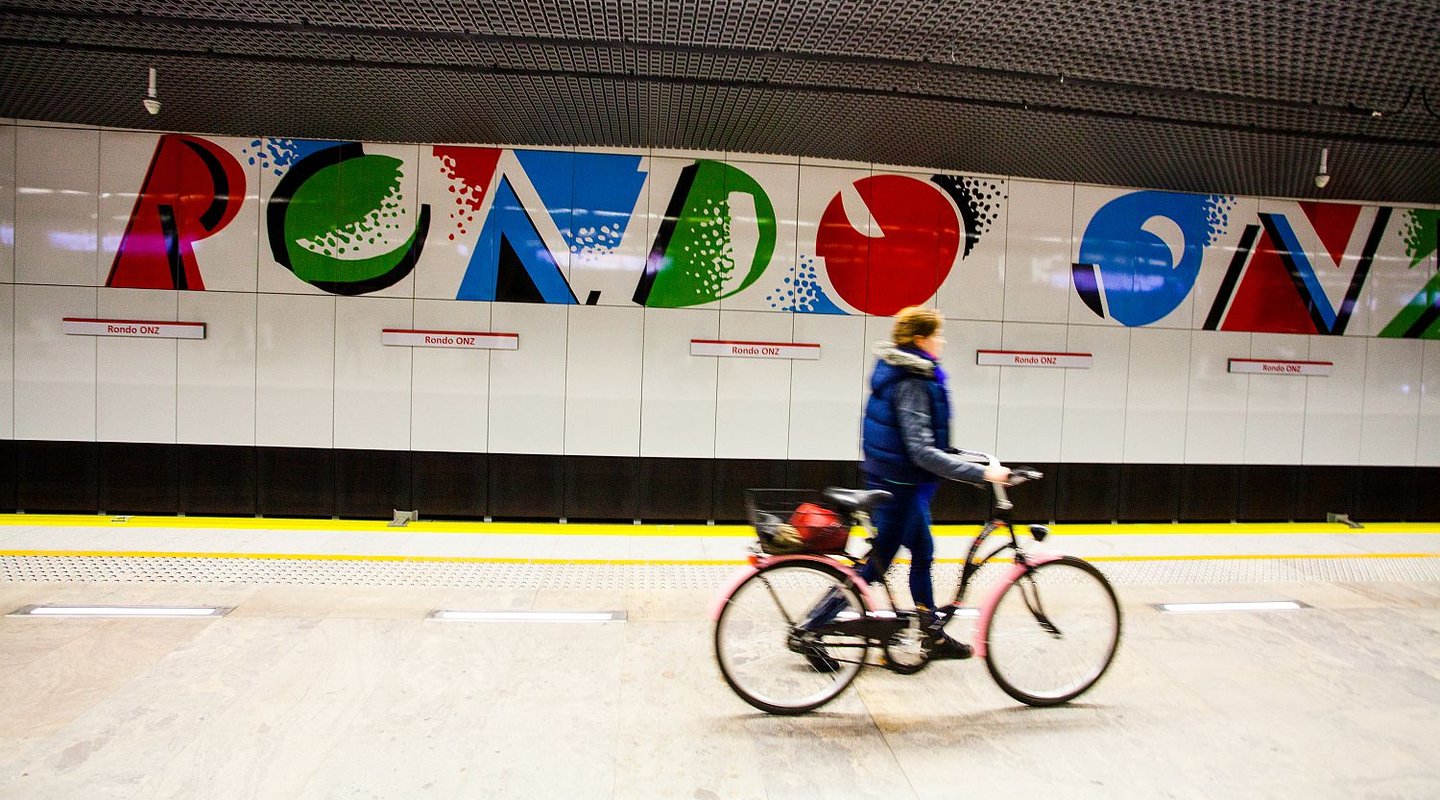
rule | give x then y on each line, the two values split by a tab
348	691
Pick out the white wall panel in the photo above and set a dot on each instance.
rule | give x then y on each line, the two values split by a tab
677	414
1037	252
975	287
527	386
228	258
1335	405
1156	392
974	390
1391	426
56	178
1427	452
125	159
1215	420
7	361
295	371
826	402
215	397
372	381
1031	398
54	373
458	184
1094	421
135	378
1275	404
752	415
603	380
450	400
7	204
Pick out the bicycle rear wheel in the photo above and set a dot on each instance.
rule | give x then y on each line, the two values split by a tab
1053	632
763	654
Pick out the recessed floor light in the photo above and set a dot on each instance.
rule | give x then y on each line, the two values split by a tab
1205	608
119	611
528	616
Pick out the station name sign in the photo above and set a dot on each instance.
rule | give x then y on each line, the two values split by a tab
1263	366
463	340
140	328
730	349
1030	358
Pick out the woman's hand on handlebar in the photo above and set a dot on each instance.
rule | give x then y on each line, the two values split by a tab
996	473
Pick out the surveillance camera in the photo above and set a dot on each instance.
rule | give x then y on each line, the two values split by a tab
1320	180
152	105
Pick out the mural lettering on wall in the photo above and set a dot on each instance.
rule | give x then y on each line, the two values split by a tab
1421	316
716	238
336	220
1272	285
1142	251
192	190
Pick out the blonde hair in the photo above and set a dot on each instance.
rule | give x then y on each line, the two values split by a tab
915	323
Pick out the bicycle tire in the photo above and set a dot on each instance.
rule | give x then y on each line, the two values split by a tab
753	638
1060	615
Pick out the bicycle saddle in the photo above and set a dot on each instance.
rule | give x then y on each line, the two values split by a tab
856	499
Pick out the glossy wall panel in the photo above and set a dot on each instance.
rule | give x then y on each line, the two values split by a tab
825	398
604	355
294	374
1157	385
974	390
1032	399
1335	404
1093	426
1393	372
975	287
1215	426
54	373
764	206
1037	254
372	381
7	361
1275	404
450	388
7	203
125	159
135	377
678	390
1427	452
527	386
56	180
752	415
215	376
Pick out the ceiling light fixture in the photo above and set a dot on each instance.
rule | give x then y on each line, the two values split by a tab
151	102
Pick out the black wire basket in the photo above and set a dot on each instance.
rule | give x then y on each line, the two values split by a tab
797	521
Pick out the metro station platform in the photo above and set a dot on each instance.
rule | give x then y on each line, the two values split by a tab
331	677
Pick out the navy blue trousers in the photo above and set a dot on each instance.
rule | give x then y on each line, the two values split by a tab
904	522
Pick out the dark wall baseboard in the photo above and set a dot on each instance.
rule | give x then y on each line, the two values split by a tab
127	478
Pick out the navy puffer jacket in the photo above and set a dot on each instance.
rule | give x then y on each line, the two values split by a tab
907	421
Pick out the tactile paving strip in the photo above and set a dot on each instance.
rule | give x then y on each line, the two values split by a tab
315	572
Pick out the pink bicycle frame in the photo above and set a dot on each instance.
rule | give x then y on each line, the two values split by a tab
760	562
987	606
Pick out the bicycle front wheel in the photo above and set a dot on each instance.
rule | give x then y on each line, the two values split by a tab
1053	632
766	654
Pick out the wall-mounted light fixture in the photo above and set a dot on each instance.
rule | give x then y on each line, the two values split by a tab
1322	178
151	102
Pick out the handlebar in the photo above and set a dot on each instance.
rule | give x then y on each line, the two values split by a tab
1018	475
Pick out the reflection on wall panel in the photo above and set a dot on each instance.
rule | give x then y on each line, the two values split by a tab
295	370
1156	396
527	386
7	361
1392	402
1037	252
1275	404
752	416
602	381
372	381
1334	405
974	390
1093	428
56	175
215	397
1031	399
677	414
7	204
54	373
1428	447
825	401
135	377
450	394
1215	420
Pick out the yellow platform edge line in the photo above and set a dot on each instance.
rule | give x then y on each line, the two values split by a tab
621	529
631	561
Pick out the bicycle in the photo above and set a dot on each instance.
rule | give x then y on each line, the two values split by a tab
1047	631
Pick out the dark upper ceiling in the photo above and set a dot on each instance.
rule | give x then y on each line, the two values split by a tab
1235	96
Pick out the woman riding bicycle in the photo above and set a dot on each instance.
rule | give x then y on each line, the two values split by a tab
906	437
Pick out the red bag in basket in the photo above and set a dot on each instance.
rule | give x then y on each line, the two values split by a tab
820	528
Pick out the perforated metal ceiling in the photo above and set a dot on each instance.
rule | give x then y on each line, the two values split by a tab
1236	96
